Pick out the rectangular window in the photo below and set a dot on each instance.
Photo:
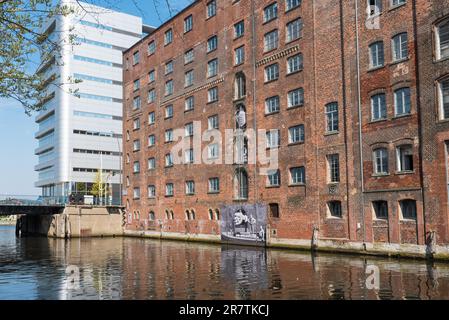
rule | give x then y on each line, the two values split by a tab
380	209
212	95
334	209
272	105
271	40
188	81
298	175
294	64
442	39
136	124
137	103
295	98
274	178
188	24
212	122
151	47
169	88
188	156
272	72
239	29
151	192
136	193
151	118
214	185
402	101
294	30
189	103
168	67
211	9
169	160
168	37
151	96
213	151
296	134
188	56
212	44
444	98
405	158
375	7
376	55
273	139
136	145
212	68
188	129
136	85
400	47
169	135
151	164
136	167
270	12
332	117
239	55
169	190
136	58
151	140
291	4
333	162
381	161
274	210
151	76
378	107
395	3
408	209
169	111
190	187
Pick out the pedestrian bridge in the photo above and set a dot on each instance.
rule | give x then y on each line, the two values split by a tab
31	205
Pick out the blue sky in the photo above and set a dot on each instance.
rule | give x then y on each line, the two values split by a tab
17	143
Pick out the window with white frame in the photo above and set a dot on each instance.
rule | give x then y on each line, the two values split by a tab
213	151
378	107
272	105
151	163
294	64
376	54
188	24
151	47
169	67
169	160
212	43
271	40
188	56
272	72
188	129
270	12
136	124
375	7
188	78
239	29
214	185
296	134
211	8
169	189
168	36
169	111
294	30
333	163
273	139
212	94
169	135
136	57
443	88
151	76
136	193
137	103
190	187
274	178
442	39
291	4
189	103
332	117
151	118
151	140
239	55
295	98
402	104
136	145
151	96
212	68
212	122
404	159
151	191
380	161
400	47
169	88
188	156
395	3
297	175
136	167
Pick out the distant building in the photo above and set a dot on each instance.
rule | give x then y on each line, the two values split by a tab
358	114
79	135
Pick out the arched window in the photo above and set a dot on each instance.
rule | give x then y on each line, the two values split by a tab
151	216
211	214
167	214
241	184
192	215
241	149
217	214
187	215
240	86
172	215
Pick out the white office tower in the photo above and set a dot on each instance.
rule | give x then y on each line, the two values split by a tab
80	133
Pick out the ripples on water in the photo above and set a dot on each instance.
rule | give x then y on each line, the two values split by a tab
35	268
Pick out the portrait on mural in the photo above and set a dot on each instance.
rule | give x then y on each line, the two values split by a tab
244	224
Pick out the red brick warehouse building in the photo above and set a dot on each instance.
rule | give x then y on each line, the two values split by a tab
354	98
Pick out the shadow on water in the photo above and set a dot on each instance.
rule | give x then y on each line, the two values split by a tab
129	268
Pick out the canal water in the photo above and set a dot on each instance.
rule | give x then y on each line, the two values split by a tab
130	268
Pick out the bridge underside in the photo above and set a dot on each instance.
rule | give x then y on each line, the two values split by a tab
9	210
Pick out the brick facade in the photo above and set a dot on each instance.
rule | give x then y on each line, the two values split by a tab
336	71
